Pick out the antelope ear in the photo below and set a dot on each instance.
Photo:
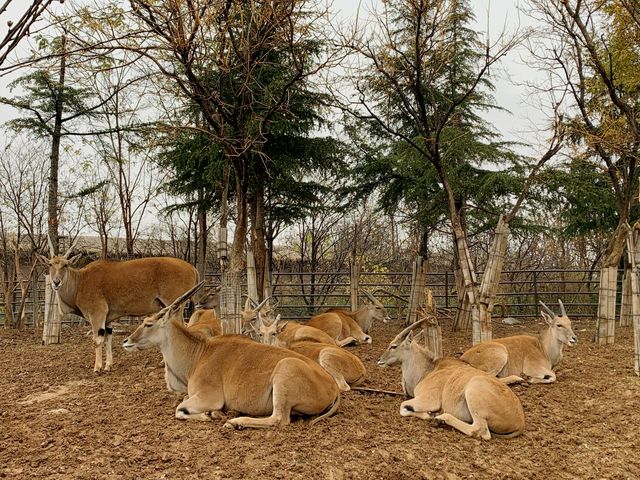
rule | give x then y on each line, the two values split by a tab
75	258
547	318
409	337
42	259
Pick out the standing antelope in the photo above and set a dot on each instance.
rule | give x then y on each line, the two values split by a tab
468	399
532	357
365	316
234	372
104	291
345	368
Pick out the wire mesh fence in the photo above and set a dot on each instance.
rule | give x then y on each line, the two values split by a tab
303	294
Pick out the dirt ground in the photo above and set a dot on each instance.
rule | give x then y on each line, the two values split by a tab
59	420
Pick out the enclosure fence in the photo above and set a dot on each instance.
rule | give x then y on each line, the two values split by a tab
303	294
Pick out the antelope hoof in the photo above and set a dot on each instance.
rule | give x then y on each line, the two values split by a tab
232	424
439	420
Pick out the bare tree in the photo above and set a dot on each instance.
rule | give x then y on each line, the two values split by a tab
590	47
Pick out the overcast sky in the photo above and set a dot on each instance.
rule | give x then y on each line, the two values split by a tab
525	118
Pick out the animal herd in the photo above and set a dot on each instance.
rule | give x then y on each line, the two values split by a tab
277	369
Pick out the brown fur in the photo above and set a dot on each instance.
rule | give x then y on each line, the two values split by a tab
232	372
104	291
206	322
468	399
528	356
345	368
342	328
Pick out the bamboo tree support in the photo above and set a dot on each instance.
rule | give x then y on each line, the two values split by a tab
491	281
606	323
52	315
416	292
354	282
633	251
252	282
469	308
431	327
626	310
230	302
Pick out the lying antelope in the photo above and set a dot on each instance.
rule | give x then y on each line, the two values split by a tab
365	316
528	356
205	318
342	328
345	368
234	372
463	397
272	332
104	291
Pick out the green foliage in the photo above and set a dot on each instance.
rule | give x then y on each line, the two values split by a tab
38	102
430	97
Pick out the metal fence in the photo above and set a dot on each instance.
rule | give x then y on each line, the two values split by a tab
301	295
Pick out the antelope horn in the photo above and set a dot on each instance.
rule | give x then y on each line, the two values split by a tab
52	250
73	245
370	296
186	295
261	304
549	311
406	331
562	310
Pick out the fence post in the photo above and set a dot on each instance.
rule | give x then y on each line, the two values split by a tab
354	280
446	289
536	297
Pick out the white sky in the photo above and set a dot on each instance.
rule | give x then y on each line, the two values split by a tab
525	119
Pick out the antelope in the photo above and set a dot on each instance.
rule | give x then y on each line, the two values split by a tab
104	291
345	368
372	311
451	391
205	317
234	372
342	328
528	356
287	333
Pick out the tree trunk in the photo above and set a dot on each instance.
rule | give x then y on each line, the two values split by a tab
56	137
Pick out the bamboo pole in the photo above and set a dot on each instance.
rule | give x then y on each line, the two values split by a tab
354	282
416	292
230	302
491	281
605	332
252	282
633	251
626	310
52	316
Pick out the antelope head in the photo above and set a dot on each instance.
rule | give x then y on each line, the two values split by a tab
399	350
152	331
59	264
209	300
376	308
559	326
253	318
